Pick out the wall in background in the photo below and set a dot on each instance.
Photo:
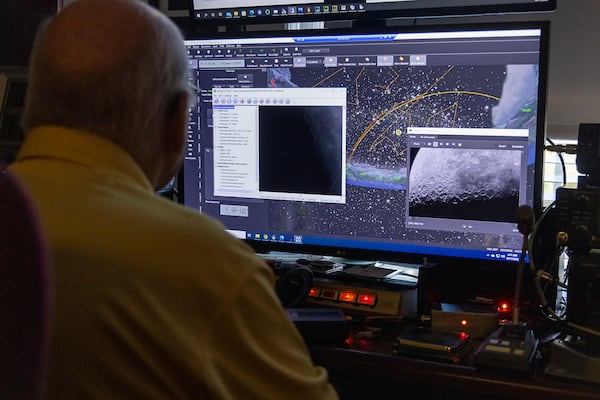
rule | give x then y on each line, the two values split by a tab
574	79
574	89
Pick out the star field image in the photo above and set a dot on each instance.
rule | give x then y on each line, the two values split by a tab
382	102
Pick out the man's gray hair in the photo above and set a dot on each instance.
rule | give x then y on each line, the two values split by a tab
124	103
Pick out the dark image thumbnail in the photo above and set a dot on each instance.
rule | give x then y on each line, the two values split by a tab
300	149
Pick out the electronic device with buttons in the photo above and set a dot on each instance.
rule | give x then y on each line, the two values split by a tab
358	298
357	287
511	348
578	216
578	207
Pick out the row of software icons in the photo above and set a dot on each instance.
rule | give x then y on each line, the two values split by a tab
281	11
273	237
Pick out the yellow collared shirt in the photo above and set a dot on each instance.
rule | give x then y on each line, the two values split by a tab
153	301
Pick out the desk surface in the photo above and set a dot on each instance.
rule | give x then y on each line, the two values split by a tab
370	366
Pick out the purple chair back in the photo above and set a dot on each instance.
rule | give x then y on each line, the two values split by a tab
25	294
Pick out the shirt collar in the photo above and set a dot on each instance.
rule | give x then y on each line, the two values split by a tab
83	148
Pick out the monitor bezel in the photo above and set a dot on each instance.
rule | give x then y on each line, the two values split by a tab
264	247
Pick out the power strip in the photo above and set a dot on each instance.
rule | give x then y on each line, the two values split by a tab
354	298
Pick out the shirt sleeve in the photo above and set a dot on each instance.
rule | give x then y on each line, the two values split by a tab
258	352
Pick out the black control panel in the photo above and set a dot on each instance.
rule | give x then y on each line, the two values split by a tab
578	215
578	211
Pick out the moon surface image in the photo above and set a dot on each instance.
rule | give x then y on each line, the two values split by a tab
471	184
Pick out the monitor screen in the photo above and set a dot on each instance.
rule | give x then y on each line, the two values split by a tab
384	145
261	11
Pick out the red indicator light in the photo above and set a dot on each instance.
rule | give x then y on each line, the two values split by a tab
314	292
348	297
367	299
504	307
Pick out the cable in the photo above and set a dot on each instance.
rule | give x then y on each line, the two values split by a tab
562	148
560	157
539	275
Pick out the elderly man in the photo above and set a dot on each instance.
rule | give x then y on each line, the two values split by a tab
153	301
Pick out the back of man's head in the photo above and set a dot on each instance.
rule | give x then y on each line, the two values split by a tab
111	67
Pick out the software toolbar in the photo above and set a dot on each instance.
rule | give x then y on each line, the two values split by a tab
257	12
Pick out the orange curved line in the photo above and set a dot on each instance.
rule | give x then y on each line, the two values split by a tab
413	100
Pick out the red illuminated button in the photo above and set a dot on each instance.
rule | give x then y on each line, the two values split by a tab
367	299
347	297
314	292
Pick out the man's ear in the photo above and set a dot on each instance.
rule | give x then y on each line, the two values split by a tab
172	141
174	132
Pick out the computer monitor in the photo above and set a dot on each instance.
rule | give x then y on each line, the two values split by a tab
228	12
389	145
